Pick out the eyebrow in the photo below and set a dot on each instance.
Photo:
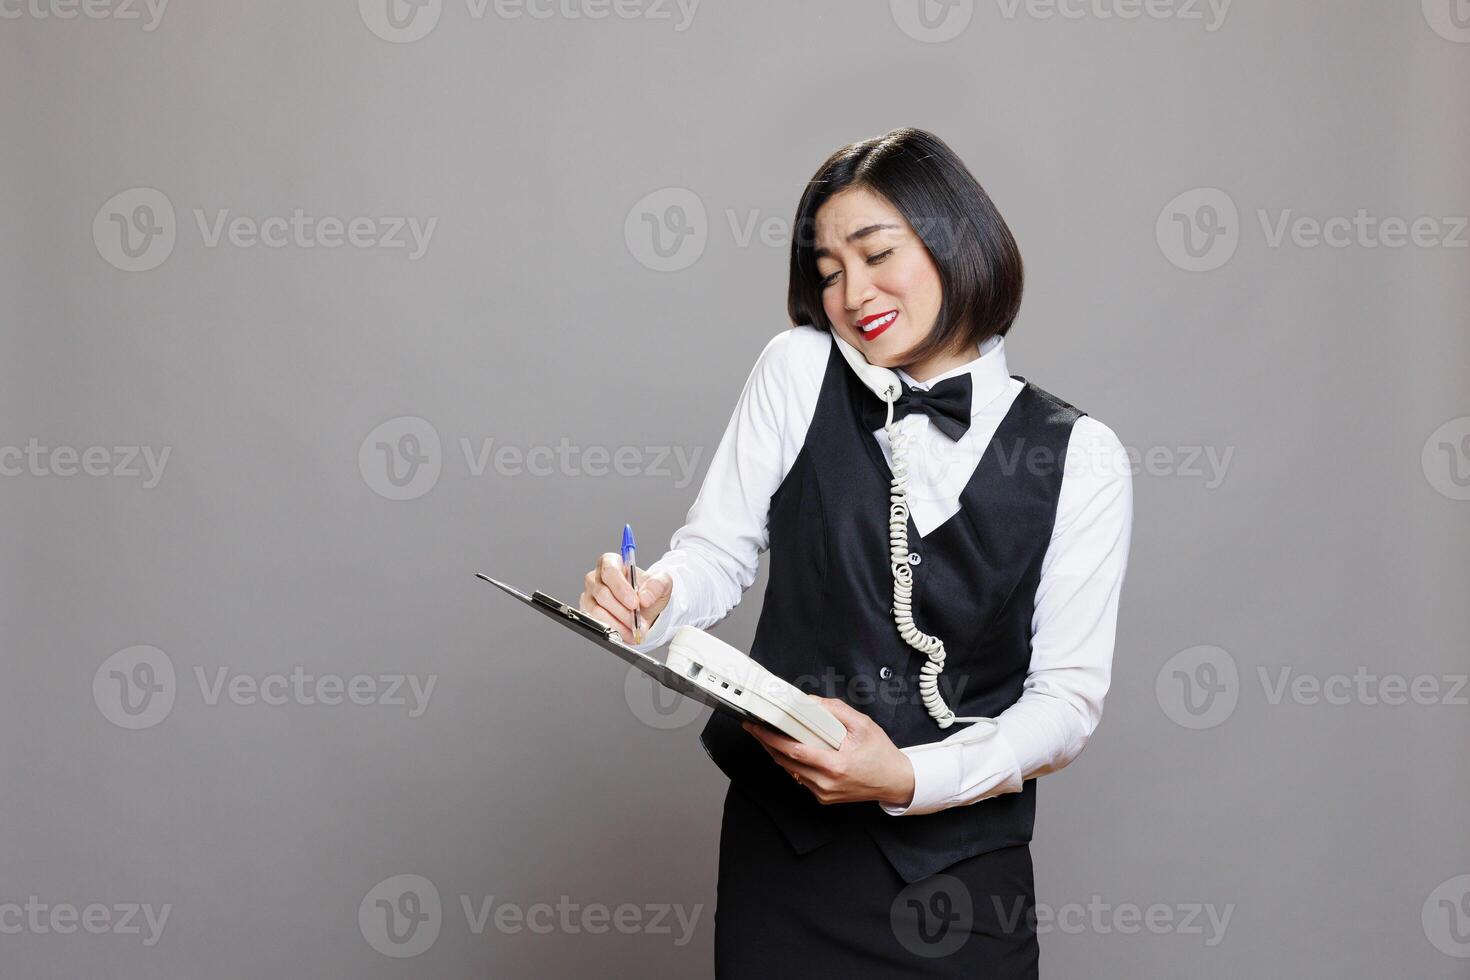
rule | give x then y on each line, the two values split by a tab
860	233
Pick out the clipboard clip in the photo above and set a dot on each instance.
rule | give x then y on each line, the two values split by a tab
575	616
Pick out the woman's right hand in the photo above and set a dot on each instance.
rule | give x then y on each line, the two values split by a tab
608	598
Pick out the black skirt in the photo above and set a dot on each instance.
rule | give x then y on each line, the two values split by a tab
842	910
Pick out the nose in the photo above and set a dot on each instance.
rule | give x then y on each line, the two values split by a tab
858	289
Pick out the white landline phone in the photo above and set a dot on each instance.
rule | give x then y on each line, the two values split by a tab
735	678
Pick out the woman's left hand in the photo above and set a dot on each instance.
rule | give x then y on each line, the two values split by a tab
867	767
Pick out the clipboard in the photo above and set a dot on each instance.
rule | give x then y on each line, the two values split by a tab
611	640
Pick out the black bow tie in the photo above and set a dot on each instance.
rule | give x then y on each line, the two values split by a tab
947	404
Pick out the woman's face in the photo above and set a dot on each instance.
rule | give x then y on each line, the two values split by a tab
876	271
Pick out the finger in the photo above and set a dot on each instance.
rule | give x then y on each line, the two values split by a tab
789	747
605	597
654	589
811	777
842	711
614	575
603	614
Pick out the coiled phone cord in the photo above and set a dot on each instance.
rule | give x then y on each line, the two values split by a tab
932	647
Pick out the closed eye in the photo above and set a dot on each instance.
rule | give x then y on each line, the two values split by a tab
872	260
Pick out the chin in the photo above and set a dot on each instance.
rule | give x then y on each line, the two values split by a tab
886	351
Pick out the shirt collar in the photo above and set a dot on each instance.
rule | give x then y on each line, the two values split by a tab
988	374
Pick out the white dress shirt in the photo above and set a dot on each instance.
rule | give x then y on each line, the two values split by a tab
714	557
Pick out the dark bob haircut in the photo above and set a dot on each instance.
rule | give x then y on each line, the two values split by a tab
915	171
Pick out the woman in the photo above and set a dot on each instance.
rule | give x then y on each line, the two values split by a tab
976	578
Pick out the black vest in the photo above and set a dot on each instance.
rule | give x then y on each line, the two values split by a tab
826	623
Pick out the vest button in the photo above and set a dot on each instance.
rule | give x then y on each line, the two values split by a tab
885	673
914	559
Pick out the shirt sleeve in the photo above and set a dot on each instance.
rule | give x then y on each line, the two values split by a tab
715	556
1073	629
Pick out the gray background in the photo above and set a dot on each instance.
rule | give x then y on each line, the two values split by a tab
1333	542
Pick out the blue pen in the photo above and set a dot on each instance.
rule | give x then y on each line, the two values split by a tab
630	562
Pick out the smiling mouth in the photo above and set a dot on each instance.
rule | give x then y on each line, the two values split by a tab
871	326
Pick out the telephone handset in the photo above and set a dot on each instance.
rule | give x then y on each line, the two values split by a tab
888	386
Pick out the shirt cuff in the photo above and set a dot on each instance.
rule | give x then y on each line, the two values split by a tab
956	773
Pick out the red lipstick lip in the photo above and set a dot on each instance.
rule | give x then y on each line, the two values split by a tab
869	319
875	334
